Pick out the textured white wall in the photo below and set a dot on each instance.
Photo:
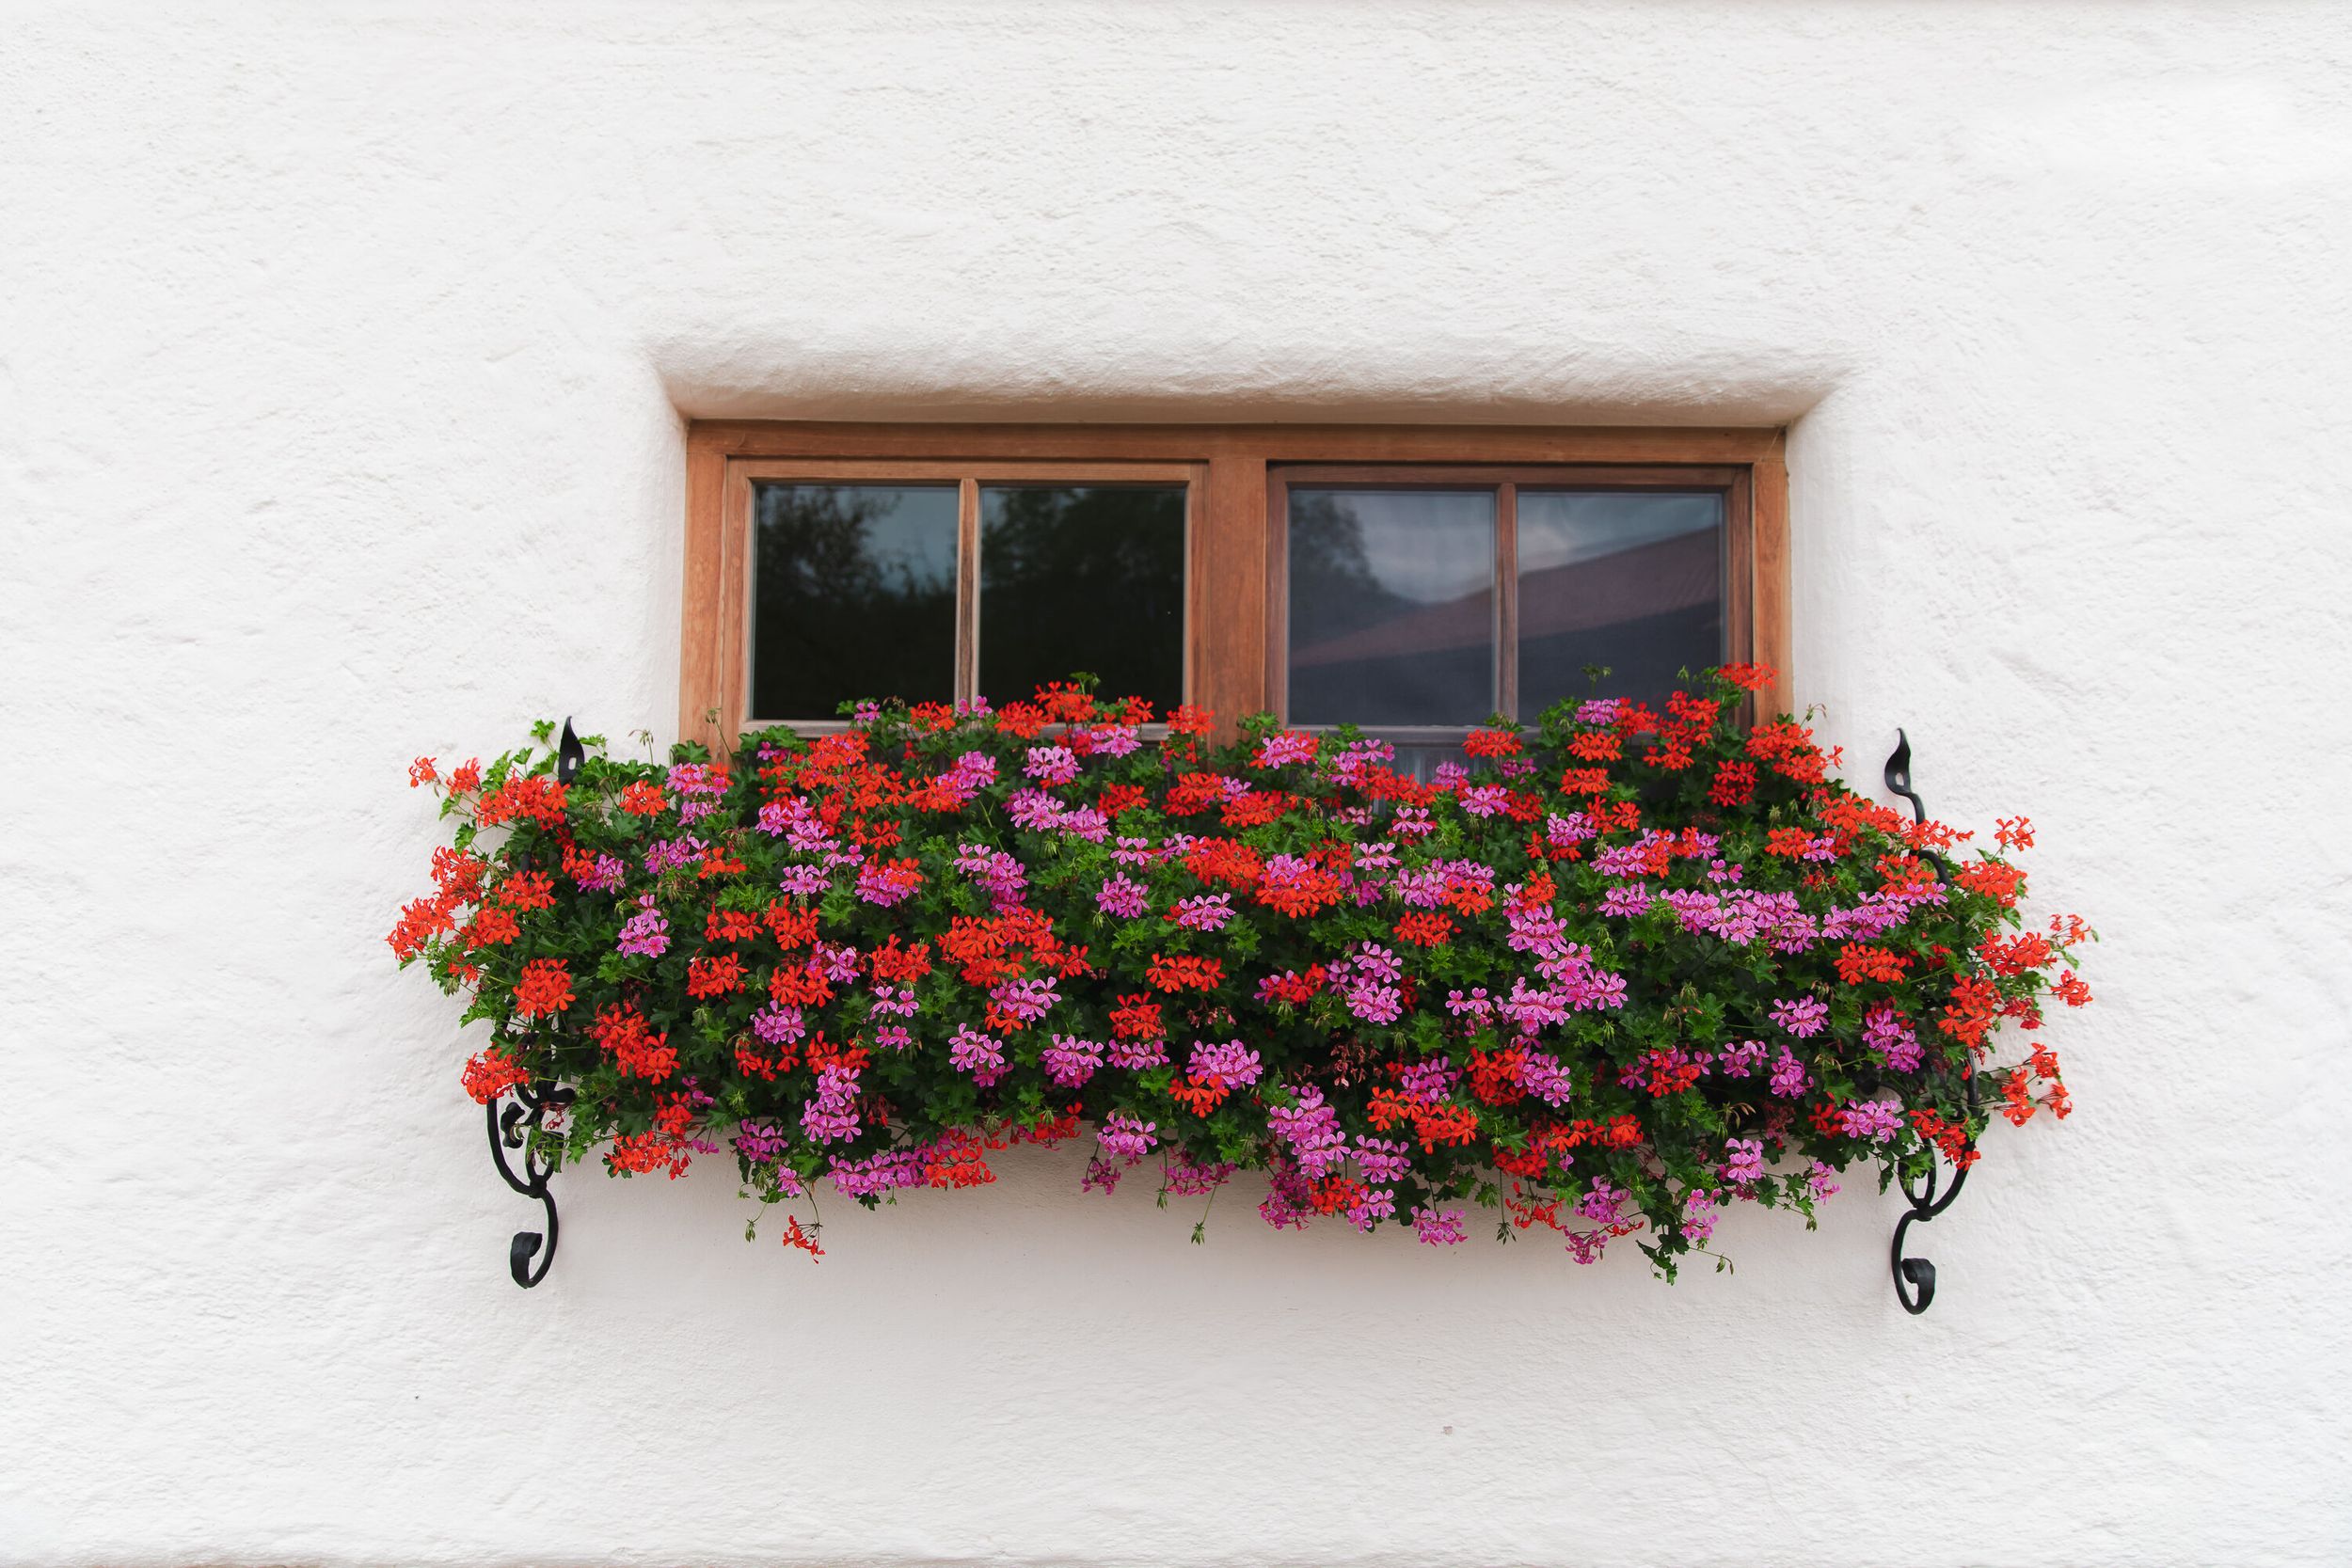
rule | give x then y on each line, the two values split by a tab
342	355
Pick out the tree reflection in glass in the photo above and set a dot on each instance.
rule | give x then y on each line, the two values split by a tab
1088	577
853	594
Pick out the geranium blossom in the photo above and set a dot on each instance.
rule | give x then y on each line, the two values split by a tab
1207	912
977	1054
645	933
1052	765
1127	1137
1282	751
1804	1017
1069	1061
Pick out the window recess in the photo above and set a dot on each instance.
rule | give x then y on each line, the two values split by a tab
1408	579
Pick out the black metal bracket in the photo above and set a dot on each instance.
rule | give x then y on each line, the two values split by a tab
569	755
1915	1278
511	1127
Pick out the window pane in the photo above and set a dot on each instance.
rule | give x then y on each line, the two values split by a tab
853	594
1633	582
1087	576
1391	606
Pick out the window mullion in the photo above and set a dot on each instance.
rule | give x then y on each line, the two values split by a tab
968	678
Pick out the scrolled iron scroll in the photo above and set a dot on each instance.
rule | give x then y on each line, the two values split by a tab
1899	782
524	1109
1915	1278
510	1129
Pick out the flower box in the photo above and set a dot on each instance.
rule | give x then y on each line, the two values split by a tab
1608	974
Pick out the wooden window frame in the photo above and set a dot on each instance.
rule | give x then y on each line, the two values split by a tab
1235	602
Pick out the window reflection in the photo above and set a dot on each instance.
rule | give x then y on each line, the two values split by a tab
1083	577
853	595
1630	580
1391	606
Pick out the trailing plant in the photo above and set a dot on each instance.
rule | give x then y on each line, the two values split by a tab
1619	970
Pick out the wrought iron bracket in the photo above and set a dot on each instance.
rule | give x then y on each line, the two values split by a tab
1915	1278
512	1118
510	1129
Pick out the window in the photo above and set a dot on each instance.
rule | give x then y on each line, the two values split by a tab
937	580
1411	580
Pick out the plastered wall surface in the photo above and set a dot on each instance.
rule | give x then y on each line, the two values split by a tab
344	352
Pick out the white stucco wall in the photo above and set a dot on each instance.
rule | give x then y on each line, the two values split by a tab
344	352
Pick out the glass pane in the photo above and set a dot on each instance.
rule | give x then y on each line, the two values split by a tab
1391	606
853	594
1086	576
1633	582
